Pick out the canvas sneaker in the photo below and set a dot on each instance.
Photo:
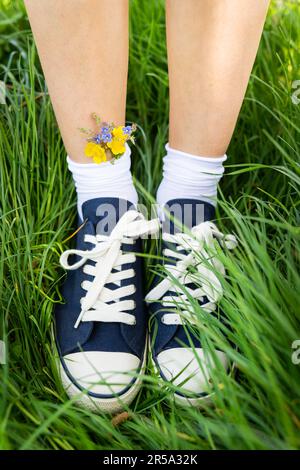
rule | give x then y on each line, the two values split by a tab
101	327
190	271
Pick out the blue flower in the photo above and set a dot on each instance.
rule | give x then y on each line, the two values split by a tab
97	139
127	130
106	137
105	130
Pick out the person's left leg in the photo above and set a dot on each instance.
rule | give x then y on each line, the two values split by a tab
211	49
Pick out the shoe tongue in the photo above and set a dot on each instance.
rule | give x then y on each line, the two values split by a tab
188	213
105	212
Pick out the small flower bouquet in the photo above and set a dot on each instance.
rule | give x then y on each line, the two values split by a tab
107	140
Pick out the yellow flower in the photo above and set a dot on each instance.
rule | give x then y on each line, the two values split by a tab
117	145
100	156
119	134
95	152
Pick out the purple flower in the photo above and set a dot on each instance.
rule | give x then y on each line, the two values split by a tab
105	130
127	130
97	139
106	137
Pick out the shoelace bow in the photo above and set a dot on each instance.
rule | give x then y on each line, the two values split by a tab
100	303
197	249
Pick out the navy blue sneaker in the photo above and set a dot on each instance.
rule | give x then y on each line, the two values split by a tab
190	272
101	328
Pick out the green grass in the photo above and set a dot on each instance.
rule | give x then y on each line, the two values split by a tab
258	408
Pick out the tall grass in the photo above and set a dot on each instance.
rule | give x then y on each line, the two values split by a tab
258	407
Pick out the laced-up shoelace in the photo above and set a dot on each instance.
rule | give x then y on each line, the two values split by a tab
102	304
197	249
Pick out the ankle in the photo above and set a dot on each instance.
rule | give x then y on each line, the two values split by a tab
187	176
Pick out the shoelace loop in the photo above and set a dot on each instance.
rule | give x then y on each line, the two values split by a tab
197	249
101	303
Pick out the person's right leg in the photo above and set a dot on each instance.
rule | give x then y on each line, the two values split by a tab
101	328
211	49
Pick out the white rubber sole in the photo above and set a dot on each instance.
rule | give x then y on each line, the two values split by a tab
102	405
184	401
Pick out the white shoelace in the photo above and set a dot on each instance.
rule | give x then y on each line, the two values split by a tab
100	303
197	249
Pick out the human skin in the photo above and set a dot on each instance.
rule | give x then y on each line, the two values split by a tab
212	46
84	56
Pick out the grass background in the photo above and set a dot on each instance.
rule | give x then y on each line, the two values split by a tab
259	408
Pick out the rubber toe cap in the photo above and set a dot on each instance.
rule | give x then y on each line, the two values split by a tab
102	373
189	369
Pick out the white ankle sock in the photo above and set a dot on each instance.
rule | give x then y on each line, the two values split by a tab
107	179
187	176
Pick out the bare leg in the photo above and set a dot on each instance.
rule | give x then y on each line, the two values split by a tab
84	55
211	49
